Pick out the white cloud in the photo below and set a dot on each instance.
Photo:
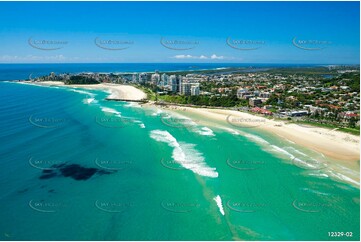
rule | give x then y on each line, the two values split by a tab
201	57
215	57
35	58
185	57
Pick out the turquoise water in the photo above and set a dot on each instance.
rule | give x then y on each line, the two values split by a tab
153	178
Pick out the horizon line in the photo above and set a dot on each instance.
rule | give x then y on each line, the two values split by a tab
225	63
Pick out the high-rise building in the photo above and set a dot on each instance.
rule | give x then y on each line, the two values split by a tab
155	78
172	83
135	78
195	90
143	77
179	83
185	89
164	80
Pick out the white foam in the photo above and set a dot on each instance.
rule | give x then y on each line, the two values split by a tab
189	121
297	151
164	136
159	111
256	138
315	191
282	151
90	100
318	174
91	96
347	170
323	175
232	131
82	92
290	141
185	154
134	120
177	120
219	204
132	105
304	163
330	172
343	177
110	110
205	131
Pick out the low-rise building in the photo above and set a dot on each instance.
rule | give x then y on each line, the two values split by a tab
255	102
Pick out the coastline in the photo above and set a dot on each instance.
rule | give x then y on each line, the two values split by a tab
117	91
332	143
340	149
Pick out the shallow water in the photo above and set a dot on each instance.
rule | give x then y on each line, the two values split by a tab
153	178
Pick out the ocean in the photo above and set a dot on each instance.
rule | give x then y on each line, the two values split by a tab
78	167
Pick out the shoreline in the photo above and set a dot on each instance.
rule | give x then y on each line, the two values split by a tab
332	143
118	92
339	149
311	137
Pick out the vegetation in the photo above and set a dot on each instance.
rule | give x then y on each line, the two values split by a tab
214	101
329	94
80	80
354	131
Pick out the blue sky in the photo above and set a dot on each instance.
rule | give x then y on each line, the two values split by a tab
257	32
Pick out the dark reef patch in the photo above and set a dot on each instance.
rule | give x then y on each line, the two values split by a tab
77	172
48	174
74	171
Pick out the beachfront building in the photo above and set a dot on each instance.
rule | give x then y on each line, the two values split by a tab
135	78
155	78
261	111
195	90
297	113
171	83
174	85
255	102
185	89
190	89
241	93
163	80
143	77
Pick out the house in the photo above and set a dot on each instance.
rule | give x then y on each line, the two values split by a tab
254	102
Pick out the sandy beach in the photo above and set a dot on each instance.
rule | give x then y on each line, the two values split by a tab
117	91
333	144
